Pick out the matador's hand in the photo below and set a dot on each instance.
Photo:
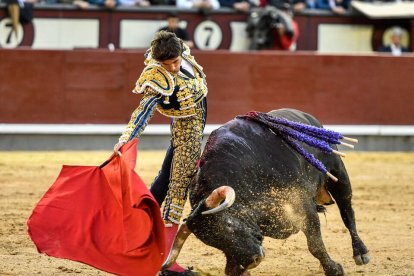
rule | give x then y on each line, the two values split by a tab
117	147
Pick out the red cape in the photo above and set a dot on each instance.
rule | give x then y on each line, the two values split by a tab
104	217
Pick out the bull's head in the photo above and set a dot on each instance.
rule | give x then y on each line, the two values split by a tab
241	243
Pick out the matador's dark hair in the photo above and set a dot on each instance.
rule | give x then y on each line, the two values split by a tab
166	45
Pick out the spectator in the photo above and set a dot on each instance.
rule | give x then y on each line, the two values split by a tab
173	26
198	4
395	46
20	11
286	5
336	6
71	2
271	28
110	4
311	4
139	3
84	4
14	13
238	5
283	32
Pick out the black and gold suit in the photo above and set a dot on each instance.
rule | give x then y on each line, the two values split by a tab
181	97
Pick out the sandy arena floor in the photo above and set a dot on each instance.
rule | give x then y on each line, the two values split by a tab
383	186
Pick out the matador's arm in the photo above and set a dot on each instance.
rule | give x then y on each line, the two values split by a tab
141	115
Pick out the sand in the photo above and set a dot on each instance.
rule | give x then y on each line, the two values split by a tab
383	185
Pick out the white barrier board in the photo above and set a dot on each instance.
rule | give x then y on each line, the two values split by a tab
377	10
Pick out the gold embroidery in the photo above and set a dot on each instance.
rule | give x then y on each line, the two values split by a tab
187	136
156	77
189	92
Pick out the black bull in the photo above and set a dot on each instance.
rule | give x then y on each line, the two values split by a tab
276	191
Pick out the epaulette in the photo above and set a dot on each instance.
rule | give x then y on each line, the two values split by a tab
156	77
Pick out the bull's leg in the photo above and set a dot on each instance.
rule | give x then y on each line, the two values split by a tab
312	230
342	193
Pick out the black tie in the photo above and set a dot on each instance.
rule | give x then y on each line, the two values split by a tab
185	72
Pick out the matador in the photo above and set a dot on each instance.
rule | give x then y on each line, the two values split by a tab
174	84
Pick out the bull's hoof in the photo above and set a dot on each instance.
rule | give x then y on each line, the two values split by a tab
187	272
335	270
362	259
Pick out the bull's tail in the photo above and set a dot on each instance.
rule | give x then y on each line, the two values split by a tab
293	132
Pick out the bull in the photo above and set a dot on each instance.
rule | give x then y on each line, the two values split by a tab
279	193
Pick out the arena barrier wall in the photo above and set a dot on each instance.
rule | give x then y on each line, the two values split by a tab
64	26
81	87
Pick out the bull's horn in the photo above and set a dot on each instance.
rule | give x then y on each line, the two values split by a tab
224	192
182	234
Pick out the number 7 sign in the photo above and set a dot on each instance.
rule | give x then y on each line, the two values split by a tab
208	35
9	38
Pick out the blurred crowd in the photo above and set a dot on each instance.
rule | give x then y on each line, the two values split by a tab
270	23
335	6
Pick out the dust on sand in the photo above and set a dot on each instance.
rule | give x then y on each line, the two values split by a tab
383	199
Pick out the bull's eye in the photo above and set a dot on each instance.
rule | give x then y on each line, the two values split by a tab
233	225
229	224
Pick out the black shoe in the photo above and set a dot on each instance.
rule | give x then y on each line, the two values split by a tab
188	272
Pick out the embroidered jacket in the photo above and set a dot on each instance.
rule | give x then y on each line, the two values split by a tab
174	96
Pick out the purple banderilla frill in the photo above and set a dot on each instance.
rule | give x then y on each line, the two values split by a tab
292	132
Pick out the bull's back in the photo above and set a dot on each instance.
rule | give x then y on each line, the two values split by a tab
247	143
248	156
296	116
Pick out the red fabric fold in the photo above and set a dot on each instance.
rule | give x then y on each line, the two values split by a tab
104	217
